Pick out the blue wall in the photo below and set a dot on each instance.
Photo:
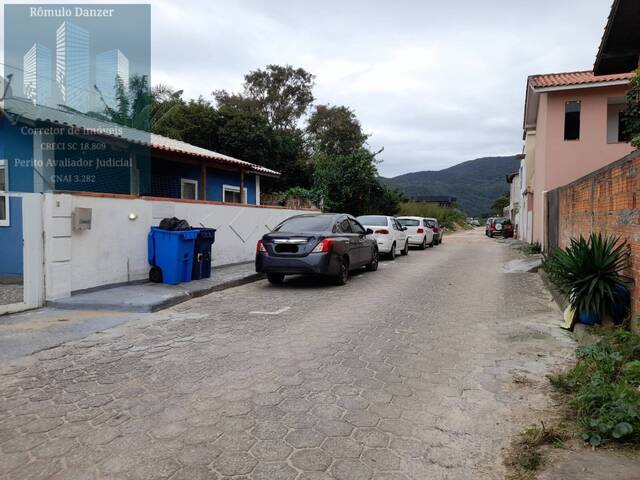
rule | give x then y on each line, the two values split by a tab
217	178
166	175
15	146
71	175
11	240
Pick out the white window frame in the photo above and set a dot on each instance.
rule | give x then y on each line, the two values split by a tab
235	189
7	221
188	181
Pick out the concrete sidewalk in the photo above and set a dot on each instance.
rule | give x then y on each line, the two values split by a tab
151	297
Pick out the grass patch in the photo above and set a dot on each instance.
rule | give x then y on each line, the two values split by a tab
604	389
527	455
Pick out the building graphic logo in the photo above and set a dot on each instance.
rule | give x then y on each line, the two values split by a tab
69	57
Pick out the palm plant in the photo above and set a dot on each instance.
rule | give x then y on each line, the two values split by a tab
590	270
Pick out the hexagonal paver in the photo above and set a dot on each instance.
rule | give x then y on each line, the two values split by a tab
235	463
168	431
342	447
334	428
361	418
271	450
269	430
305	438
330	412
273	471
371	437
381	459
235	441
350	470
353	403
195	472
295	404
312	459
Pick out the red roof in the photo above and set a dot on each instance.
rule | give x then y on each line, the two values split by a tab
574	78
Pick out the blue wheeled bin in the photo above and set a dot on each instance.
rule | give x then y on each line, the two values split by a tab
170	252
202	254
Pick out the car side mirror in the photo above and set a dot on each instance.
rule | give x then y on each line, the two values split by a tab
368	231
404	229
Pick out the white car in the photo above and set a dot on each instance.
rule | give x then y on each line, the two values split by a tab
419	233
389	234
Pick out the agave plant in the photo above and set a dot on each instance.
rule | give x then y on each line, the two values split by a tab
590	270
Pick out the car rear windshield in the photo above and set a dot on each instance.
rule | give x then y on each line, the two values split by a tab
409	222
500	220
320	223
374	220
430	223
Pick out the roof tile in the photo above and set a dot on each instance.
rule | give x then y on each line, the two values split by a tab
574	78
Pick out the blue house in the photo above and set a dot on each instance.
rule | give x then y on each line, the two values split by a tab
46	149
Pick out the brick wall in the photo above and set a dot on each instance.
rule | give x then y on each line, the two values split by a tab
607	201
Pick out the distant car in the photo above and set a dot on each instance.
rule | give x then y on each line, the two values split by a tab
486	227
475	223
390	236
500	226
437	230
317	244
419	233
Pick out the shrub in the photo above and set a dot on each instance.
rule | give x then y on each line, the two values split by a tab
604	385
589	271
447	217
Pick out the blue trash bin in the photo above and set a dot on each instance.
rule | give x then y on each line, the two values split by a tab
171	252
202	254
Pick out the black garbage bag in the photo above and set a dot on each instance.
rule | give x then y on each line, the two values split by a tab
174	224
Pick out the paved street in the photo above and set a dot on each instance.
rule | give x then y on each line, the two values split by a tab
406	373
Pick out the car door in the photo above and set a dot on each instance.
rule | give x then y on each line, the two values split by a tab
428	232
399	233
351	241
362	242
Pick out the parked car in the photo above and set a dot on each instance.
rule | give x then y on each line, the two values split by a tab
316	244
419	232
486	227
500	226
390	236
437	230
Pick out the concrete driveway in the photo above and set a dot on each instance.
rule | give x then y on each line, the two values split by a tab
406	373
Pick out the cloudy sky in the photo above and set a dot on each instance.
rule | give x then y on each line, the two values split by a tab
434	83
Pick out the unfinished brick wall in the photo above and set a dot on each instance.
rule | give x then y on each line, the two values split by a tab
607	201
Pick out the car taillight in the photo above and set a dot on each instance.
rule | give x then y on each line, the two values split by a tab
260	247
435	229
420	230
382	231
323	246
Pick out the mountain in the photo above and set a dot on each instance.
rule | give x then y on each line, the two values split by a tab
475	183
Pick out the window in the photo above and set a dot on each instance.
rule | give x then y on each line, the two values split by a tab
4	199
306	223
373	220
356	227
409	222
616	128
343	226
189	189
572	121
231	194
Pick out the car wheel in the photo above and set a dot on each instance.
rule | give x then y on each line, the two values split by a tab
373	266
392	252
432	243
343	273
275	278
405	250
423	245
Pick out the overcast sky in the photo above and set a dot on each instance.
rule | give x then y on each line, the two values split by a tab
434	83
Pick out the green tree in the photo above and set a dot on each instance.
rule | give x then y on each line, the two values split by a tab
334	130
282	93
631	113
499	205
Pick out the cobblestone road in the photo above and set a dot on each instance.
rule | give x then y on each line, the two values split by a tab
405	373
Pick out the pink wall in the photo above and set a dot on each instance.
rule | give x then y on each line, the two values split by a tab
559	162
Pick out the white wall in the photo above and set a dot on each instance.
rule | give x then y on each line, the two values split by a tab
115	249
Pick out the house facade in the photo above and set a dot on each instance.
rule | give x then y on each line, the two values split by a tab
572	126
